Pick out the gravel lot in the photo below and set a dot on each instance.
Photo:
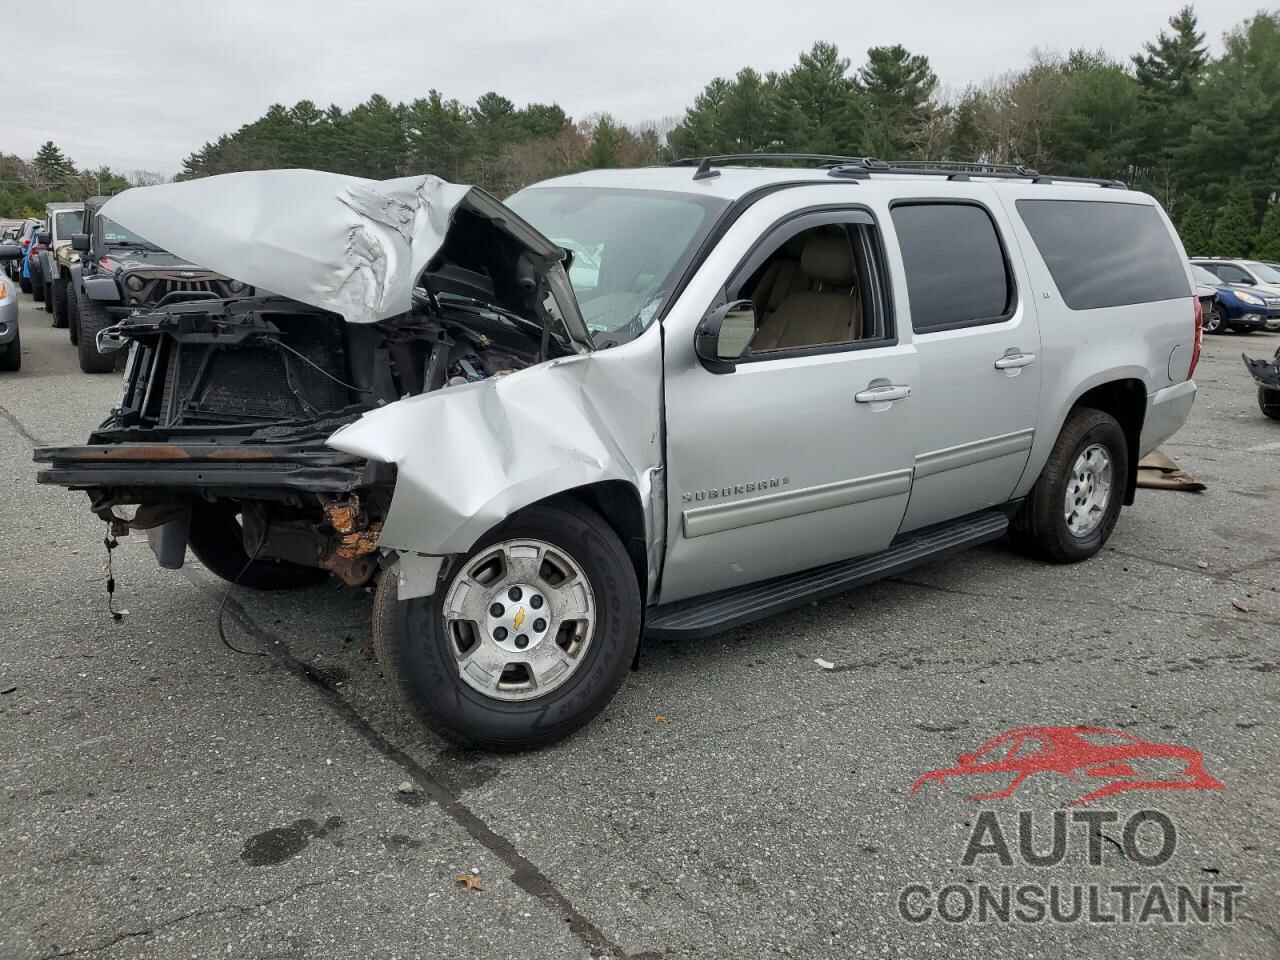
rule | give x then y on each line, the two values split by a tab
163	796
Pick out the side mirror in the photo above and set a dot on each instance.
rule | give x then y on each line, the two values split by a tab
724	334
80	242
44	237
10	251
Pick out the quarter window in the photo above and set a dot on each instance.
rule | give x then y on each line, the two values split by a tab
1106	254
957	275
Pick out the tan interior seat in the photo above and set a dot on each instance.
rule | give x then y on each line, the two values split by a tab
828	312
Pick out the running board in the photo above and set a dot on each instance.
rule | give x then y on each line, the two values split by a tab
715	612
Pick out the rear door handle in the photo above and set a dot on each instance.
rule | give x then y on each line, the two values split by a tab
883	393
1012	361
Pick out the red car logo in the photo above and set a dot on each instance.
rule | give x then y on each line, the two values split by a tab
1079	752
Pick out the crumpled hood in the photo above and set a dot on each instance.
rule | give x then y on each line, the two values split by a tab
352	246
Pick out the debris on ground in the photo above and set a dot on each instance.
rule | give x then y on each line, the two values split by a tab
1157	472
661	719
469	881
406	787
1240	605
9	689
824	664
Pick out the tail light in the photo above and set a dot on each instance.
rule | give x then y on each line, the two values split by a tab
1199	339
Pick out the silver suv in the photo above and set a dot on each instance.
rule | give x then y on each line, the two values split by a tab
765	384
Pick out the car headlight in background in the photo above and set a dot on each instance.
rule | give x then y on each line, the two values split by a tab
134	283
235	286
1251	299
4	291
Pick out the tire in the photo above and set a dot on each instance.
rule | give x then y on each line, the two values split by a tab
59	298
1269	402
217	542
1041	527
1215	320
418	649
36	286
92	318
48	301
24	284
11	353
73	313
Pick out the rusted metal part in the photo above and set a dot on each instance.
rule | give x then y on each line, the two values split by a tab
357	536
353	558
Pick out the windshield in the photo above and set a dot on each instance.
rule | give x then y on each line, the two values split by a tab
67	223
114	235
629	247
1202	275
1263	272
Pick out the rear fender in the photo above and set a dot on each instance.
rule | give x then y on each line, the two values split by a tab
468	457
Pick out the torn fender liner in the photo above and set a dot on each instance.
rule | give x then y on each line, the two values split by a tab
1265	372
469	456
352	246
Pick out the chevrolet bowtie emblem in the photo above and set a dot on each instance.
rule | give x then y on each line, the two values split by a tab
518	620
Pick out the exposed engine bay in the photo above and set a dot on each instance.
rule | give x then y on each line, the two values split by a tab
218	438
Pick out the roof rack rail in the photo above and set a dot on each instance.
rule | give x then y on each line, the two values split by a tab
859	168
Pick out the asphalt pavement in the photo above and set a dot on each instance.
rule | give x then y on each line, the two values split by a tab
162	796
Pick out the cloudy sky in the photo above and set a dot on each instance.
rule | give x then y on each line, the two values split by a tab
140	84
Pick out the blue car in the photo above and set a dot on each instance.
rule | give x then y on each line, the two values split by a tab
1236	306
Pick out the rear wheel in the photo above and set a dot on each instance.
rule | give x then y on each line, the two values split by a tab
59	298
526	639
11	353
1075	503
93	317
36	285
24	284
73	313
1269	402
217	541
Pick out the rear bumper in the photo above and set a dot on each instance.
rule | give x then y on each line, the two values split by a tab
206	466
1167	411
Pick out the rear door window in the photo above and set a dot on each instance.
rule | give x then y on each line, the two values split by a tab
1104	254
957	275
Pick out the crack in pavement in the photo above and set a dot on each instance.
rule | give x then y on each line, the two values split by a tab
524	873
1220	575
21	427
193	914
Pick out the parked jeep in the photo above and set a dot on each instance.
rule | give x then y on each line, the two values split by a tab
64	220
775	383
119	272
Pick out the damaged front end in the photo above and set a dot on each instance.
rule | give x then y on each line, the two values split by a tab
1266	373
394	291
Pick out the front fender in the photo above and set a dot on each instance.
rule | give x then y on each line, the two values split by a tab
468	457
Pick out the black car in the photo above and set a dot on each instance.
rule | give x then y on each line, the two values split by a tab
120	272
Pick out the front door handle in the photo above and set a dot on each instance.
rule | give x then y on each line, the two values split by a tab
1011	361
882	392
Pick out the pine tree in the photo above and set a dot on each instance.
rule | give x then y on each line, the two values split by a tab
825	101
1267	246
1195	226
897	88
1172	64
1235	226
52	165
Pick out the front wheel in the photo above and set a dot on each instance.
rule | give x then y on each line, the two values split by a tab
1269	402
1214	319
92	318
526	638
1075	503
11	353
217	540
